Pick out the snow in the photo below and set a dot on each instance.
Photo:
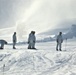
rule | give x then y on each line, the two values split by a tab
43	61
42	16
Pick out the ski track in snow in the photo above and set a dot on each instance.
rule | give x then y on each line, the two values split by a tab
52	69
38	62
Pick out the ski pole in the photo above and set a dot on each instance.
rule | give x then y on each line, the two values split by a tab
3	68
65	43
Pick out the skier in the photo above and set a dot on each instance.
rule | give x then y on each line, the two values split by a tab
59	41
2	42
14	40
31	40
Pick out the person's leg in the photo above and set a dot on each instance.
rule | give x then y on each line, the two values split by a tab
14	43
33	46
57	47
29	46
60	46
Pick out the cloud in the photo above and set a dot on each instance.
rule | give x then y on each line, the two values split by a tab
39	15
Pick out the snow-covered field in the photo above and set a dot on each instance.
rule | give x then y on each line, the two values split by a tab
47	18
43	61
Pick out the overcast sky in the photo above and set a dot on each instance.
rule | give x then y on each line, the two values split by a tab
37	14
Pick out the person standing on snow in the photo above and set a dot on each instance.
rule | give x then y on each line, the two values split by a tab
59	41
14	40
31	40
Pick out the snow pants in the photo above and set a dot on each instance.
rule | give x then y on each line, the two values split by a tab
14	43
31	45
59	45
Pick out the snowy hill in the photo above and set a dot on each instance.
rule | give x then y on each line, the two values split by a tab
44	61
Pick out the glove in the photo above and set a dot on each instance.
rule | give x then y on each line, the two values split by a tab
34	41
57	41
28	42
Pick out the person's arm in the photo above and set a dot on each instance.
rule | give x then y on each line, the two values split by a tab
62	40
57	39
16	38
28	39
35	39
